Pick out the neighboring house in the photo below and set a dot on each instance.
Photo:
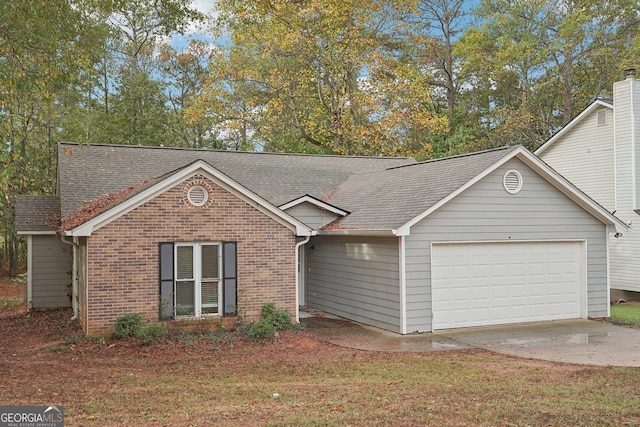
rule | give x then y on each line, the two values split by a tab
481	239
598	152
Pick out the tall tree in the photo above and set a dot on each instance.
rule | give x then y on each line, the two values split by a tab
45	52
185	72
307	76
130	99
433	29
530	62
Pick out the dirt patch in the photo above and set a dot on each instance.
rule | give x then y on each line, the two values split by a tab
11	289
294	379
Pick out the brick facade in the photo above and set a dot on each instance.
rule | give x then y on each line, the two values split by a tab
123	256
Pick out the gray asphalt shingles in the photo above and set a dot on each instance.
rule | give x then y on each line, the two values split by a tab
380	193
33	213
87	172
385	200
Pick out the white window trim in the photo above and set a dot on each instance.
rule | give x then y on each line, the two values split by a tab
197	279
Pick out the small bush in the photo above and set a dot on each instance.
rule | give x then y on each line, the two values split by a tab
128	325
152	334
261	330
280	319
271	321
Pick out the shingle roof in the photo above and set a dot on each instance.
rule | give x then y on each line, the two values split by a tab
379	193
36	213
88	171
387	199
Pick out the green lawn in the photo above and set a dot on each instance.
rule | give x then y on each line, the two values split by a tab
626	314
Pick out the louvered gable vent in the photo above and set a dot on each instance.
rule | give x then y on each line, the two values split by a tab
512	181
198	195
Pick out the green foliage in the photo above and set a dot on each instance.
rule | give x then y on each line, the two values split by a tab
152	334
131	325
293	79
280	319
271	321
261	330
128	325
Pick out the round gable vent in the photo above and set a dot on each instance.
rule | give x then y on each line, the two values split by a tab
198	195
512	181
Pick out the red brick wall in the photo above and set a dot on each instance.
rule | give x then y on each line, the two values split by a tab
123	256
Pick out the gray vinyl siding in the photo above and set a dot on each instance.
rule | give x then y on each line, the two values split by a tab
486	212
312	215
585	157
355	278
51	272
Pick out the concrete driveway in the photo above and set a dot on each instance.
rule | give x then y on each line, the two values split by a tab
571	341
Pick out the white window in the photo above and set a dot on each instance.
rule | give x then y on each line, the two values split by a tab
197	285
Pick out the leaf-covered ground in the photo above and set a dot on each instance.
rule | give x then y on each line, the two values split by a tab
294	380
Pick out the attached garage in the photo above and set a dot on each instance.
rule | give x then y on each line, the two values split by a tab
484	239
479	284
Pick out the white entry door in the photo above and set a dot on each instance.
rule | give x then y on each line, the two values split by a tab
478	284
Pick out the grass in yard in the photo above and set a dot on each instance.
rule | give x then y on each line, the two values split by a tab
629	314
296	380
320	385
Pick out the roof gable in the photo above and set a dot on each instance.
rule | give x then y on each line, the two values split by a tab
134	196
558	136
315	202
547	173
395	199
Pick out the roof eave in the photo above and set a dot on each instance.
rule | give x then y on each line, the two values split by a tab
359	232
36	233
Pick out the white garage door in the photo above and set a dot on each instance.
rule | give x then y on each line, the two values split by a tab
477	284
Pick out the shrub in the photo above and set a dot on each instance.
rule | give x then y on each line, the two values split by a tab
261	329
152	334
280	319
271	321
128	325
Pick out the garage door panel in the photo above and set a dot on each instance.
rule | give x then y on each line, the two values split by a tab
476	284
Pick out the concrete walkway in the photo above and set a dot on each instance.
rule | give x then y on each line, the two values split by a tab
571	341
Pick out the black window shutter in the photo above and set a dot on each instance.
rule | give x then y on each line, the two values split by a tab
166	280
230	291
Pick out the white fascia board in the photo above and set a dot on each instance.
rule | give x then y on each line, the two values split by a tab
36	233
207	170
354	232
317	202
543	170
560	134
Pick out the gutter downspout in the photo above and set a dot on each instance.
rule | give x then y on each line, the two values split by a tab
74	280
300	243
631	74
